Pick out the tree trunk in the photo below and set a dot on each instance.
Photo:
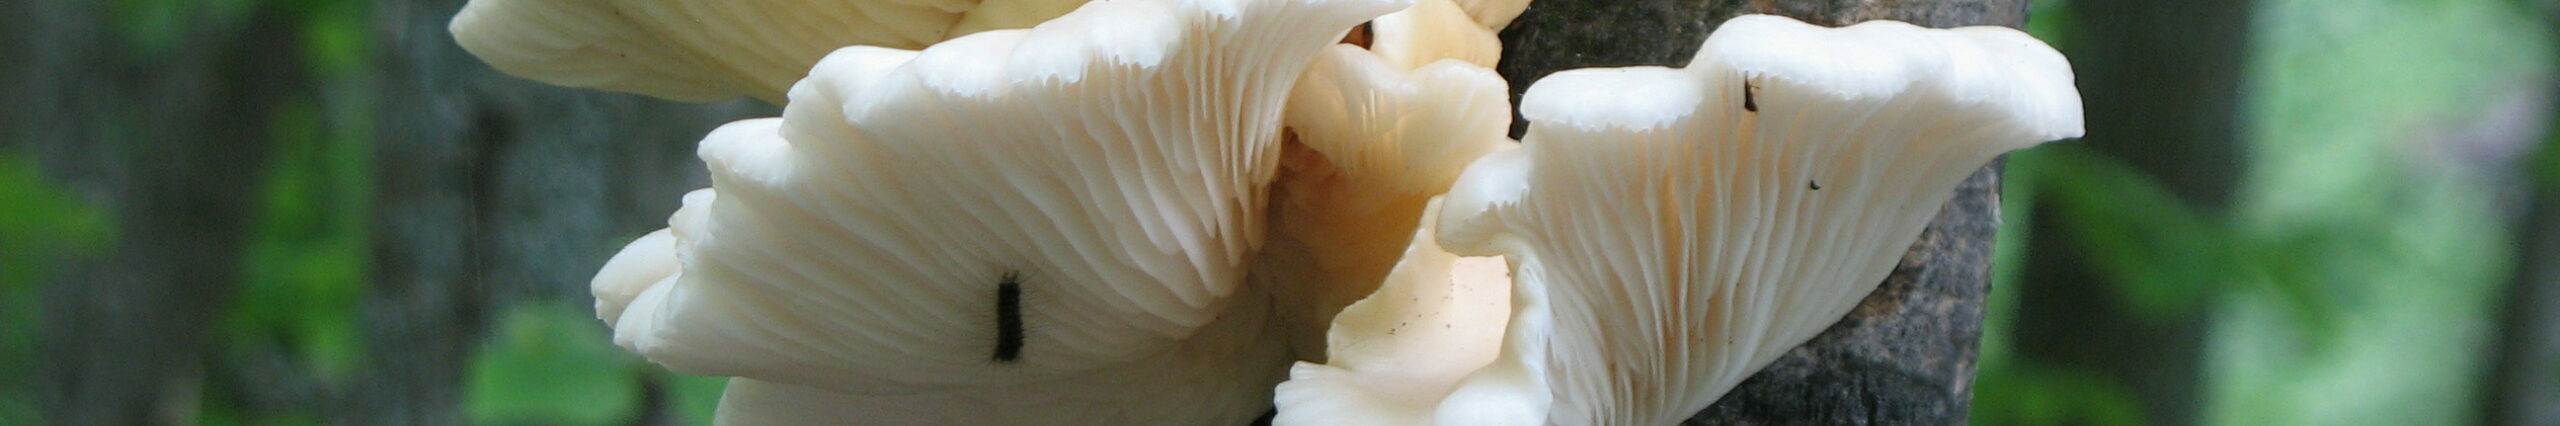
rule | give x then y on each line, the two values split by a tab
2172	115
1905	355
2521	385
158	137
494	190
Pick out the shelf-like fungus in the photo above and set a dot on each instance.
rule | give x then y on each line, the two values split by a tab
1048	224
1370	145
1435	319
709	50
1672	231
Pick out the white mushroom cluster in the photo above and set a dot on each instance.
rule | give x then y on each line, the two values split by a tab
1200	211
1675	230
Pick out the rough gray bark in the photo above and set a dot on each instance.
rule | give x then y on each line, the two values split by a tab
172	143
2173	115
1905	355
494	190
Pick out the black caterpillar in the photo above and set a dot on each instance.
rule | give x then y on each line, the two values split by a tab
1009	318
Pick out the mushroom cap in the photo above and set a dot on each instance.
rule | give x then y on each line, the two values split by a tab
645	263
1674	230
709	50
1224	377
1493	14
1431	31
1436	319
1106	168
1371	144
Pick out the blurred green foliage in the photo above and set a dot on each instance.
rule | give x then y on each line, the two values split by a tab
549	364
554	364
2352	279
306	259
2354	107
45	224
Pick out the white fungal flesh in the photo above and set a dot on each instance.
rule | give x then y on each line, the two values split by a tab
1435	319
1669	241
1115	159
1493	14
1222	378
1431	31
1374	144
645	263
708	50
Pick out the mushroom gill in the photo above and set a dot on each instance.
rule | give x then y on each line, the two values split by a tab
1049	223
1672	231
710	50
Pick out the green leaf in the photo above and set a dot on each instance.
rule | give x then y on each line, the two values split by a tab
551	364
696	397
305	264
40	224
2158	253
2049	20
2033	395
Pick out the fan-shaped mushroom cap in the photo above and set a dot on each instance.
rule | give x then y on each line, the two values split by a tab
643	264
1085	192
1674	230
1222	378
708	50
1433	30
1436	319
1493	14
1372	144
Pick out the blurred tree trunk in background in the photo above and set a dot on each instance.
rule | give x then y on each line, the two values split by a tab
1905	355
494	190
2522	381
2169	75
170	137
2521	385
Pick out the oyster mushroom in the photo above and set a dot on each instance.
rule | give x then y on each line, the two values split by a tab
1371	144
1672	231
710	50
1435	319
1008	223
1434	30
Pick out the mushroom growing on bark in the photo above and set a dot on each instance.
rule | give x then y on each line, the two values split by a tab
1042	225
1672	231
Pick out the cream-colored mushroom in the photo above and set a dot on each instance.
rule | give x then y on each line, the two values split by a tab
709	50
1433	30
1674	230
1372	144
1053	220
1436	319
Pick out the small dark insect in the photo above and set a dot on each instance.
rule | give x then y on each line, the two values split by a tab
1815	185
1009	317
1750	96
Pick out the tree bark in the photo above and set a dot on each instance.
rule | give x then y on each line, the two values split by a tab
494	190
1905	355
2173	115
172	142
